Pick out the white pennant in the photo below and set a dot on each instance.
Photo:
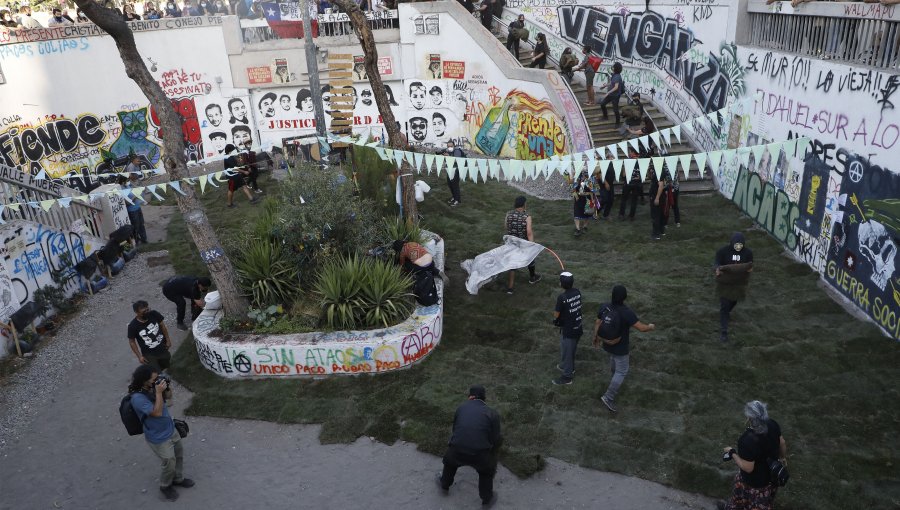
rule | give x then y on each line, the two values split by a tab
655	137
628	165
790	148
617	168
483	169
418	157
757	151
686	163
623	146
643	166
504	166
429	162
672	165
715	159
381	152
604	165
634	144
658	165
494	168
578	165
700	158
439	164
591	166
774	151
515	170
676	130
664	136
802	144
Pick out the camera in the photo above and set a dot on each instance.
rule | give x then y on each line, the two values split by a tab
728	455
161	379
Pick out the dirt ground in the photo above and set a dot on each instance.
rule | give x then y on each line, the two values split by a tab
74	452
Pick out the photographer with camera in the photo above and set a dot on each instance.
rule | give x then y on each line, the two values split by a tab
761	459
149	391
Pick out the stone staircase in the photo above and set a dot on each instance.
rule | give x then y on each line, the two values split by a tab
605	132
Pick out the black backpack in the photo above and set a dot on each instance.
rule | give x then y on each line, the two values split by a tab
610	325
424	288
130	419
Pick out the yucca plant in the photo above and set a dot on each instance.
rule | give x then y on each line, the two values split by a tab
339	283
386	293
265	273
396	228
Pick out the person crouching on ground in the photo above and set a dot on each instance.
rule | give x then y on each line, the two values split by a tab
518	224
475	442
149	394
414	258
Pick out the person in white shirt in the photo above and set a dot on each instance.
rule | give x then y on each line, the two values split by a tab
26	20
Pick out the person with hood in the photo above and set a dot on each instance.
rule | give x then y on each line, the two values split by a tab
567	317
734	263
611	330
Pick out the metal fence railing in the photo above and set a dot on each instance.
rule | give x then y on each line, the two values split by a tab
871	42
328	25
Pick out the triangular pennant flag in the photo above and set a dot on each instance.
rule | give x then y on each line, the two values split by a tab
42	175
715	159
439	164
504	166
578	166
655	137
664	135
658	165
418	158
398	157
162	187
125	194
643	166
138	192
686	163
757	151
672	166
515	170
744	156
409	159
628	165
591	166
494	168
623	146
676	130
530	169
604	165
47	204
634	145
203	179
65	201
483	169
213	178
700	158
774	151
789	147
687	128
15	207
429	162
552	166
177	187
617	168
382	152
35	205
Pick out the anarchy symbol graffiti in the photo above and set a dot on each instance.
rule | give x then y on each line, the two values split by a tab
241	363
855	171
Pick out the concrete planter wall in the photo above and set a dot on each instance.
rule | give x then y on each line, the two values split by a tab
323	354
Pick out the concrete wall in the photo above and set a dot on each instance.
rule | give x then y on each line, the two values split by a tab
323	354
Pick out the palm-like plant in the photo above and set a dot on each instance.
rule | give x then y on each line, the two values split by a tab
339	283
386	294
265	273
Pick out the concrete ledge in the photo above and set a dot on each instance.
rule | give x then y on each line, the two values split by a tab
323	354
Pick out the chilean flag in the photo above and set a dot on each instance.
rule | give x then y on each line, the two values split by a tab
286	21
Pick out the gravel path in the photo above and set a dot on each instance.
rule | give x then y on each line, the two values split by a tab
62	444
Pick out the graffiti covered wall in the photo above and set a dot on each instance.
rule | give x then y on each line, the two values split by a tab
458	94
94	122
836	206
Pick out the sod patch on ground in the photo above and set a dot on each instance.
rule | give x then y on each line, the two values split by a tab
831	381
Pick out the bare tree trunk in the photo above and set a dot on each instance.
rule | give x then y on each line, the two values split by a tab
201	231
395	137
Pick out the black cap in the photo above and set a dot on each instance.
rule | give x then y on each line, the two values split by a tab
478	392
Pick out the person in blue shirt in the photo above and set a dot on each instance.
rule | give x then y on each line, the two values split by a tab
148	398
615	87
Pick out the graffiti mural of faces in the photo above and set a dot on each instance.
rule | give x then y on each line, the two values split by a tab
238	110
214	114
417	95
266	105
242	137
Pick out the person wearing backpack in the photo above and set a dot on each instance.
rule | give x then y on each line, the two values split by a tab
148	394
512	36
417	261
611	330
754	485
567	317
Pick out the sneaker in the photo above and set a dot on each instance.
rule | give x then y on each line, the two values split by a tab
509	291
577	233
182	326
186	483
489	503
454	203
656	238
169	492
678	225
608	403
258	190
561	382
444	490
534	279
560	368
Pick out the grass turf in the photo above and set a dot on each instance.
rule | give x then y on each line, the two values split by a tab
830	380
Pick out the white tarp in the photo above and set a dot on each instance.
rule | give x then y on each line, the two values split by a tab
514	253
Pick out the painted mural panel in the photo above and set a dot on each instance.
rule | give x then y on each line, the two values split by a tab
841	195
96	129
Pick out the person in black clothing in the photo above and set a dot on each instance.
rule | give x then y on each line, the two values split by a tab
734	263
486	10
475	441
567	316
608	191
453	183
753	487
631	189
177	288
148	337
512	37
657	205
539	56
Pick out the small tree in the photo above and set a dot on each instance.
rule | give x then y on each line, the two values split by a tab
195	218
395	137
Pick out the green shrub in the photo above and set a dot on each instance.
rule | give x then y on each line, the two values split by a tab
373	176
396	228
265	273
327	222
360	293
